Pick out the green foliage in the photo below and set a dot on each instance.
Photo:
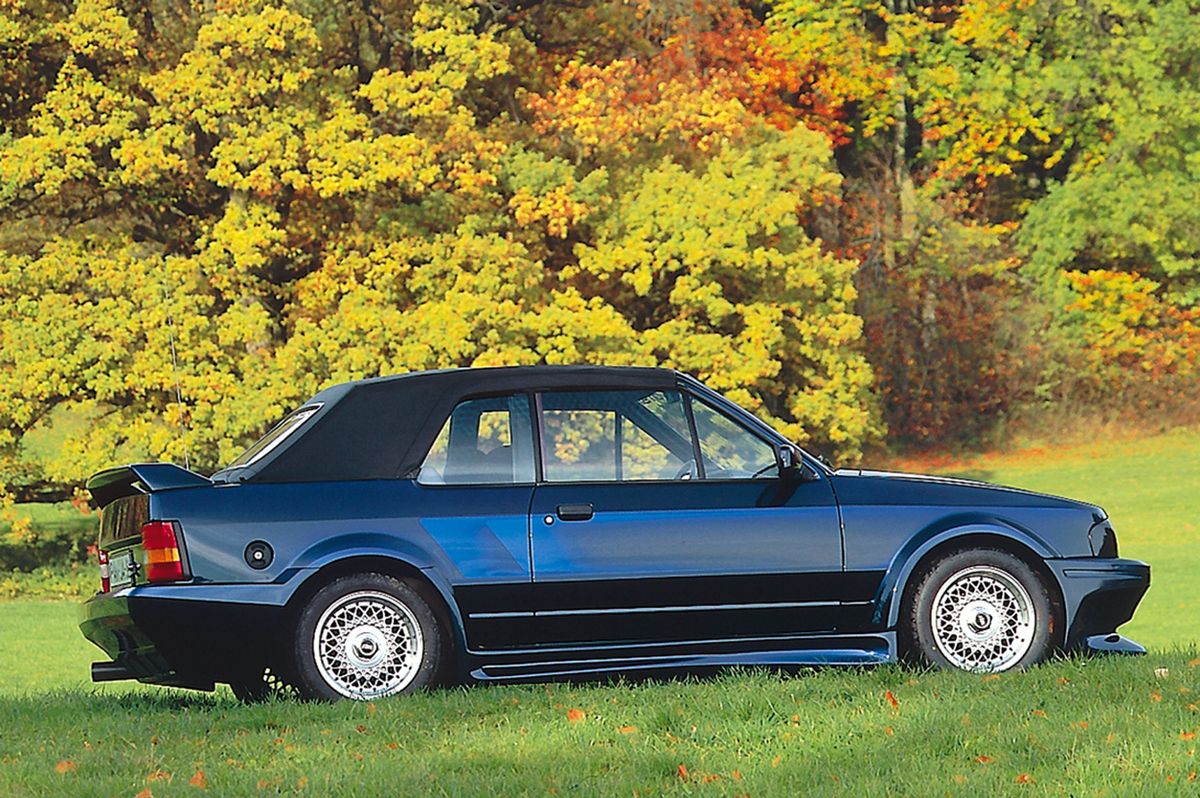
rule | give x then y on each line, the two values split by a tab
1068	128
834	209
56	535
285	196
50	582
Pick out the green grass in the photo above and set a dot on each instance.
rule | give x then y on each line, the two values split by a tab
1110	726
1077	727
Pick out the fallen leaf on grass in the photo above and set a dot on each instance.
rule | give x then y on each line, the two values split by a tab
575	715
889	731
1187	735
627	729
1039	713
199	780
361	729
736	775
775	762
1156	697
1080	724
1024	778
65	766
1193	662
891	699
145	794
984	759
992	677
682	771
159	775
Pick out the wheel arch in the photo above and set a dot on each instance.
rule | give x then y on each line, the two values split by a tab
425	581
906	569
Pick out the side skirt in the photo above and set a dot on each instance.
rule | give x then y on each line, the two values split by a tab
544	664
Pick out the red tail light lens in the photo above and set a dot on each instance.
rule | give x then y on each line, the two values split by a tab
163	561
105	584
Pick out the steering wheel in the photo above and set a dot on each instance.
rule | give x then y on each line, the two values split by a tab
685	471
763	470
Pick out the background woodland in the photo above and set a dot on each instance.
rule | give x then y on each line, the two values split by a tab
877	224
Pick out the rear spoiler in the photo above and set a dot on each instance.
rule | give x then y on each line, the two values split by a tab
113	483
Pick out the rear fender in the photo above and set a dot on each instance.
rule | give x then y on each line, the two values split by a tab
903	565
344	549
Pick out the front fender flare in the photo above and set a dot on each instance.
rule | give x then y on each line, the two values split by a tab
895	580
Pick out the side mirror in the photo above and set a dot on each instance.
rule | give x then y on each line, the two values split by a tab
788	458
791	464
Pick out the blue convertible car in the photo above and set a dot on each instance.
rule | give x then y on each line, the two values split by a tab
545	522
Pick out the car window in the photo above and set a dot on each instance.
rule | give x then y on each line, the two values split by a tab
484	441
731	451
616	436
275	436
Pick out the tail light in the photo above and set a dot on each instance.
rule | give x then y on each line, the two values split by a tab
163	560
105	584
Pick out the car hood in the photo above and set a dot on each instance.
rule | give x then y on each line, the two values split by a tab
943	485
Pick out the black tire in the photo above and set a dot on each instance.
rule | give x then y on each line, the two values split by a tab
981	626
361	618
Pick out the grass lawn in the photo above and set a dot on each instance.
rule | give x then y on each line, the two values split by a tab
1078	727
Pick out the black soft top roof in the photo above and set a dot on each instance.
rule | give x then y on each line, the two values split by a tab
381	428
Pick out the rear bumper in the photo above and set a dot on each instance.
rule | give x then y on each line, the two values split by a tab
167	640
1098	596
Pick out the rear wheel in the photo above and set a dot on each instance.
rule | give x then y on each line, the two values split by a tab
366	636
980	610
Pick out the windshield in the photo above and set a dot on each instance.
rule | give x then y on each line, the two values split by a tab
278	434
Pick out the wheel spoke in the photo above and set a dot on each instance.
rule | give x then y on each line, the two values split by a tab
983	619
368	645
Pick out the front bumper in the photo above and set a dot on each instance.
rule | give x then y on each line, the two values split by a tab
166	640
1100	594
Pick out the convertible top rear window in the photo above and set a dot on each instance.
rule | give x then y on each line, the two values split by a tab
277	435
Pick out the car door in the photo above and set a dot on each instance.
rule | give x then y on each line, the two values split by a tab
473	493
658	517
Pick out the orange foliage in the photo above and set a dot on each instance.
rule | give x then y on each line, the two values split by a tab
712	77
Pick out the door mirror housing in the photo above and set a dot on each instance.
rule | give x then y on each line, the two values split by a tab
788	459
792	465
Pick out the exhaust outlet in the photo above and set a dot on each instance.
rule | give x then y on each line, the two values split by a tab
110	672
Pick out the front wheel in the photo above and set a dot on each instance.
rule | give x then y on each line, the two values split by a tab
980	610
366	636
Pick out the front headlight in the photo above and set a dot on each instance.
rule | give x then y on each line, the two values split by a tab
1103	539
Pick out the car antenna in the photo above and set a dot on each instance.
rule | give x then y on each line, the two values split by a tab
175	371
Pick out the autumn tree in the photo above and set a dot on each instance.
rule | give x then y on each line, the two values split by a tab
210	212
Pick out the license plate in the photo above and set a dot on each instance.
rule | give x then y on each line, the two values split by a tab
120	574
